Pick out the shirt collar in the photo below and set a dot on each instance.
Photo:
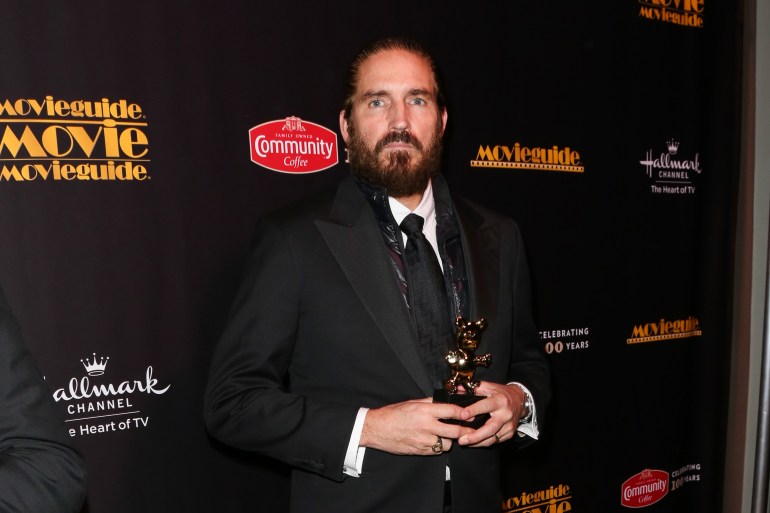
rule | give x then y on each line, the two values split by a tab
426	209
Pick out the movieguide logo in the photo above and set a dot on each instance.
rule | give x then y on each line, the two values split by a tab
51	139
554	499
519	156
665	330
687	13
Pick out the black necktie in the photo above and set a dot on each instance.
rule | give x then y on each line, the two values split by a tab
427	298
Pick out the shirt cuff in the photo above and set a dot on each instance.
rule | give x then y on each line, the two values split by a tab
528	428
354	457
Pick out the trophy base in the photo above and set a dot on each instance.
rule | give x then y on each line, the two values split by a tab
442	396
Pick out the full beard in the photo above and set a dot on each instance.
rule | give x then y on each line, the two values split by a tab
401	173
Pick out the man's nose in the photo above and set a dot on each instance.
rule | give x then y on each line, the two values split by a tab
399	117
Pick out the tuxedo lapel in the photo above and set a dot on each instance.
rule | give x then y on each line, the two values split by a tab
353	237
481	245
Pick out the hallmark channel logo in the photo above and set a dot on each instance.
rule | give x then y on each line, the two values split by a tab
554	499
560	340
686	13
95	367
670	172
665	330
292	145
103	406
72	140
644	489
518	156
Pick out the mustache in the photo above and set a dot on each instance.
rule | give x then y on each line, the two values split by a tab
397	137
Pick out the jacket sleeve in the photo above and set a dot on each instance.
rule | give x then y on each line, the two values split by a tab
528	362
249	403
39	470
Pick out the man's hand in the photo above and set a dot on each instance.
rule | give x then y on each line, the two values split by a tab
412	427
505	405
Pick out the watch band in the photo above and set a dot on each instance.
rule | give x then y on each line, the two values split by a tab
528	405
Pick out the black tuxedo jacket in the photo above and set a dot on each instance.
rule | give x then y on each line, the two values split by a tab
39	470
320	328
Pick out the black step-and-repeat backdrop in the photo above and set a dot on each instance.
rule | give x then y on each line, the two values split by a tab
142	140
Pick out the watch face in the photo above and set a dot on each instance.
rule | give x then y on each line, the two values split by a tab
527	410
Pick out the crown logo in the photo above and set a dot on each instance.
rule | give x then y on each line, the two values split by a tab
673	146
293	124
95	367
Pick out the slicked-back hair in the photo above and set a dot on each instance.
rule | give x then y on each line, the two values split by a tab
383	45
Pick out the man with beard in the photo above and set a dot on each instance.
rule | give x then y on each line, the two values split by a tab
333	349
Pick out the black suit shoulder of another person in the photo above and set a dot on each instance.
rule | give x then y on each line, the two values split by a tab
40	472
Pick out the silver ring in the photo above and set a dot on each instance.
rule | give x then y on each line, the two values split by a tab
438	447
497	439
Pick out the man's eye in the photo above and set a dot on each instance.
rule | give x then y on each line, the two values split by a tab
418	101
376	103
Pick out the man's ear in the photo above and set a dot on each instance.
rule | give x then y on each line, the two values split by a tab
443	121
344	126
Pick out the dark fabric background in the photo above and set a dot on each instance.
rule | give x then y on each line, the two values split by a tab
143	272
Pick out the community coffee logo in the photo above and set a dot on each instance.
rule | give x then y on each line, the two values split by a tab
644	489
102	406
518	156
554	499
665	330
72	140
686	13
670	171
292	145
560	340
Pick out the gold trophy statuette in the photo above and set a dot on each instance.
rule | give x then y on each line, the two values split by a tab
462	364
